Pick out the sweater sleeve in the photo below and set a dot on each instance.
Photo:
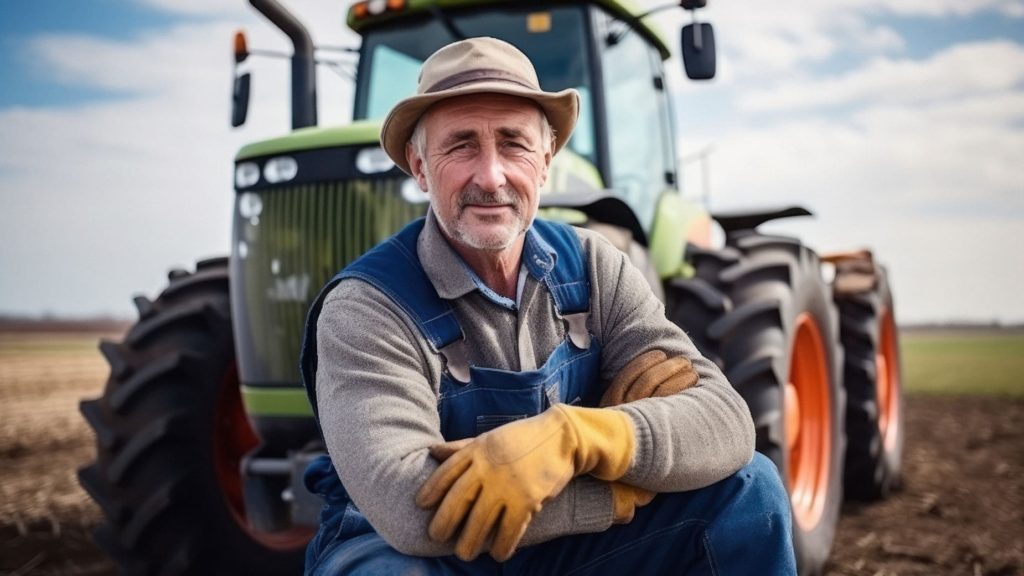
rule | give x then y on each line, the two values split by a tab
377	390
685	441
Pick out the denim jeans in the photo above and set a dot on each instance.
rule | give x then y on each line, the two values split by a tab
739	526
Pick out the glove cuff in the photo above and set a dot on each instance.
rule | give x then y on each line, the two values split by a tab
605	440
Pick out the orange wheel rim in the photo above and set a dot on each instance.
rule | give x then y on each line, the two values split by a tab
233	438
808	416
887	383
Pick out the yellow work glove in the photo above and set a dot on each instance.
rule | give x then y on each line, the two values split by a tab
494	484
650	375
626	498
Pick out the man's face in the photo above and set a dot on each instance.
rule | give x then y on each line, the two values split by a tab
484	160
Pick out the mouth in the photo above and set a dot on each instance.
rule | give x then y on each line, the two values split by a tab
488	209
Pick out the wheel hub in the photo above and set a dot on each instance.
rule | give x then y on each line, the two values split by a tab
808	420
792	403
887	383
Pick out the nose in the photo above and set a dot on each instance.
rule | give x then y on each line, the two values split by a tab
490	171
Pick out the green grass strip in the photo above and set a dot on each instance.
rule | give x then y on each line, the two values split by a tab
980	364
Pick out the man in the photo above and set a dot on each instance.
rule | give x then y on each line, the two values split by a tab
456	372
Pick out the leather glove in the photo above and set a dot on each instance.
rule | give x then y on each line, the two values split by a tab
495	483
650	375
626	498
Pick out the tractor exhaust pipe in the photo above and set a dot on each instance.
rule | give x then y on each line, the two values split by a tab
303	63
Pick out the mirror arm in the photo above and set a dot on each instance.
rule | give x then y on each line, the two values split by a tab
656	10
698	34
614	38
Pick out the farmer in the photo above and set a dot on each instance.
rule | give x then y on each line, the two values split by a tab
502	394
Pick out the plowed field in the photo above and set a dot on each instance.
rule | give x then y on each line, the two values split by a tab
960	512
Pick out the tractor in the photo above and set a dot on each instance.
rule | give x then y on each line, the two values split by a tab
203	429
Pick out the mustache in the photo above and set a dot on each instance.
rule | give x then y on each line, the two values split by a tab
475	195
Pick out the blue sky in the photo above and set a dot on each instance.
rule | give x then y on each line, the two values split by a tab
900	123
22	22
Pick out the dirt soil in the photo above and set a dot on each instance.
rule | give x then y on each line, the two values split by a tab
960	512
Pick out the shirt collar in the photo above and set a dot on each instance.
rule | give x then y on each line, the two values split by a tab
453	278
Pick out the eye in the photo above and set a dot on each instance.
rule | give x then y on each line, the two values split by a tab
458	146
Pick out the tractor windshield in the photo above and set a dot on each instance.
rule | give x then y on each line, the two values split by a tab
392	55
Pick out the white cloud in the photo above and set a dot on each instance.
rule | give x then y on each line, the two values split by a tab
940	8
960	71
765	39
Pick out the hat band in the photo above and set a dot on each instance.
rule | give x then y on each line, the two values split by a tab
480	74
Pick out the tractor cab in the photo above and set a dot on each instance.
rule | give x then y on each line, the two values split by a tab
620	84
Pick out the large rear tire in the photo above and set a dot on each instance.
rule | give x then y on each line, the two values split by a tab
170	434
761	310
873	379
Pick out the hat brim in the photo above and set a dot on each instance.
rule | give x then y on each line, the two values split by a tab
561	109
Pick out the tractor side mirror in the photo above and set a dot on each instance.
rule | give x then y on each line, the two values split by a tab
240	100
240	92
698	41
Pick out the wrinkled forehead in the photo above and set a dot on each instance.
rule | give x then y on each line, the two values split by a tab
499	111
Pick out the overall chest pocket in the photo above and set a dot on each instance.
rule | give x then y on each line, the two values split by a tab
496	397
484	404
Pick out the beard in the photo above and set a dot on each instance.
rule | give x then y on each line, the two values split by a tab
495	233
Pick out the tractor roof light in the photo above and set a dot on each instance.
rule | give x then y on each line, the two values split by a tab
370	8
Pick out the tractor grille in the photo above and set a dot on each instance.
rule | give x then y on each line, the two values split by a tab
288	241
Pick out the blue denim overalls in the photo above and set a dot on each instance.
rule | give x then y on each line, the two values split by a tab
472	399
740	525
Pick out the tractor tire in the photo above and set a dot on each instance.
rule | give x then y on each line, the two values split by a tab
760	309
873	379
170	433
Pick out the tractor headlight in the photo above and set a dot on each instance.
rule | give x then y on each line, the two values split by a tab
412	193
280	169
246	174
373	161
250	205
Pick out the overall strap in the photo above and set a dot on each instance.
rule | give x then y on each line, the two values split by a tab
566	277
394	268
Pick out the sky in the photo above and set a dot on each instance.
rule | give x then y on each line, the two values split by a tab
900	124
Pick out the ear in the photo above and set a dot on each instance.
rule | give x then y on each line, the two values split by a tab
548	155
416	166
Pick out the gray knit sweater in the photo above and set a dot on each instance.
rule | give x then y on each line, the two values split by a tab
377	388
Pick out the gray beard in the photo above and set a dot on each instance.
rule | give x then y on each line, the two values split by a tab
474	195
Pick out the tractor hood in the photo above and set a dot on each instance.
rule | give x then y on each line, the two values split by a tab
357	133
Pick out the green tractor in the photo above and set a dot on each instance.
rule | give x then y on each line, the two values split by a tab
203	429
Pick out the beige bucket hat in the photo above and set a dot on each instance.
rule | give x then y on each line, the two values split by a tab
473	66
